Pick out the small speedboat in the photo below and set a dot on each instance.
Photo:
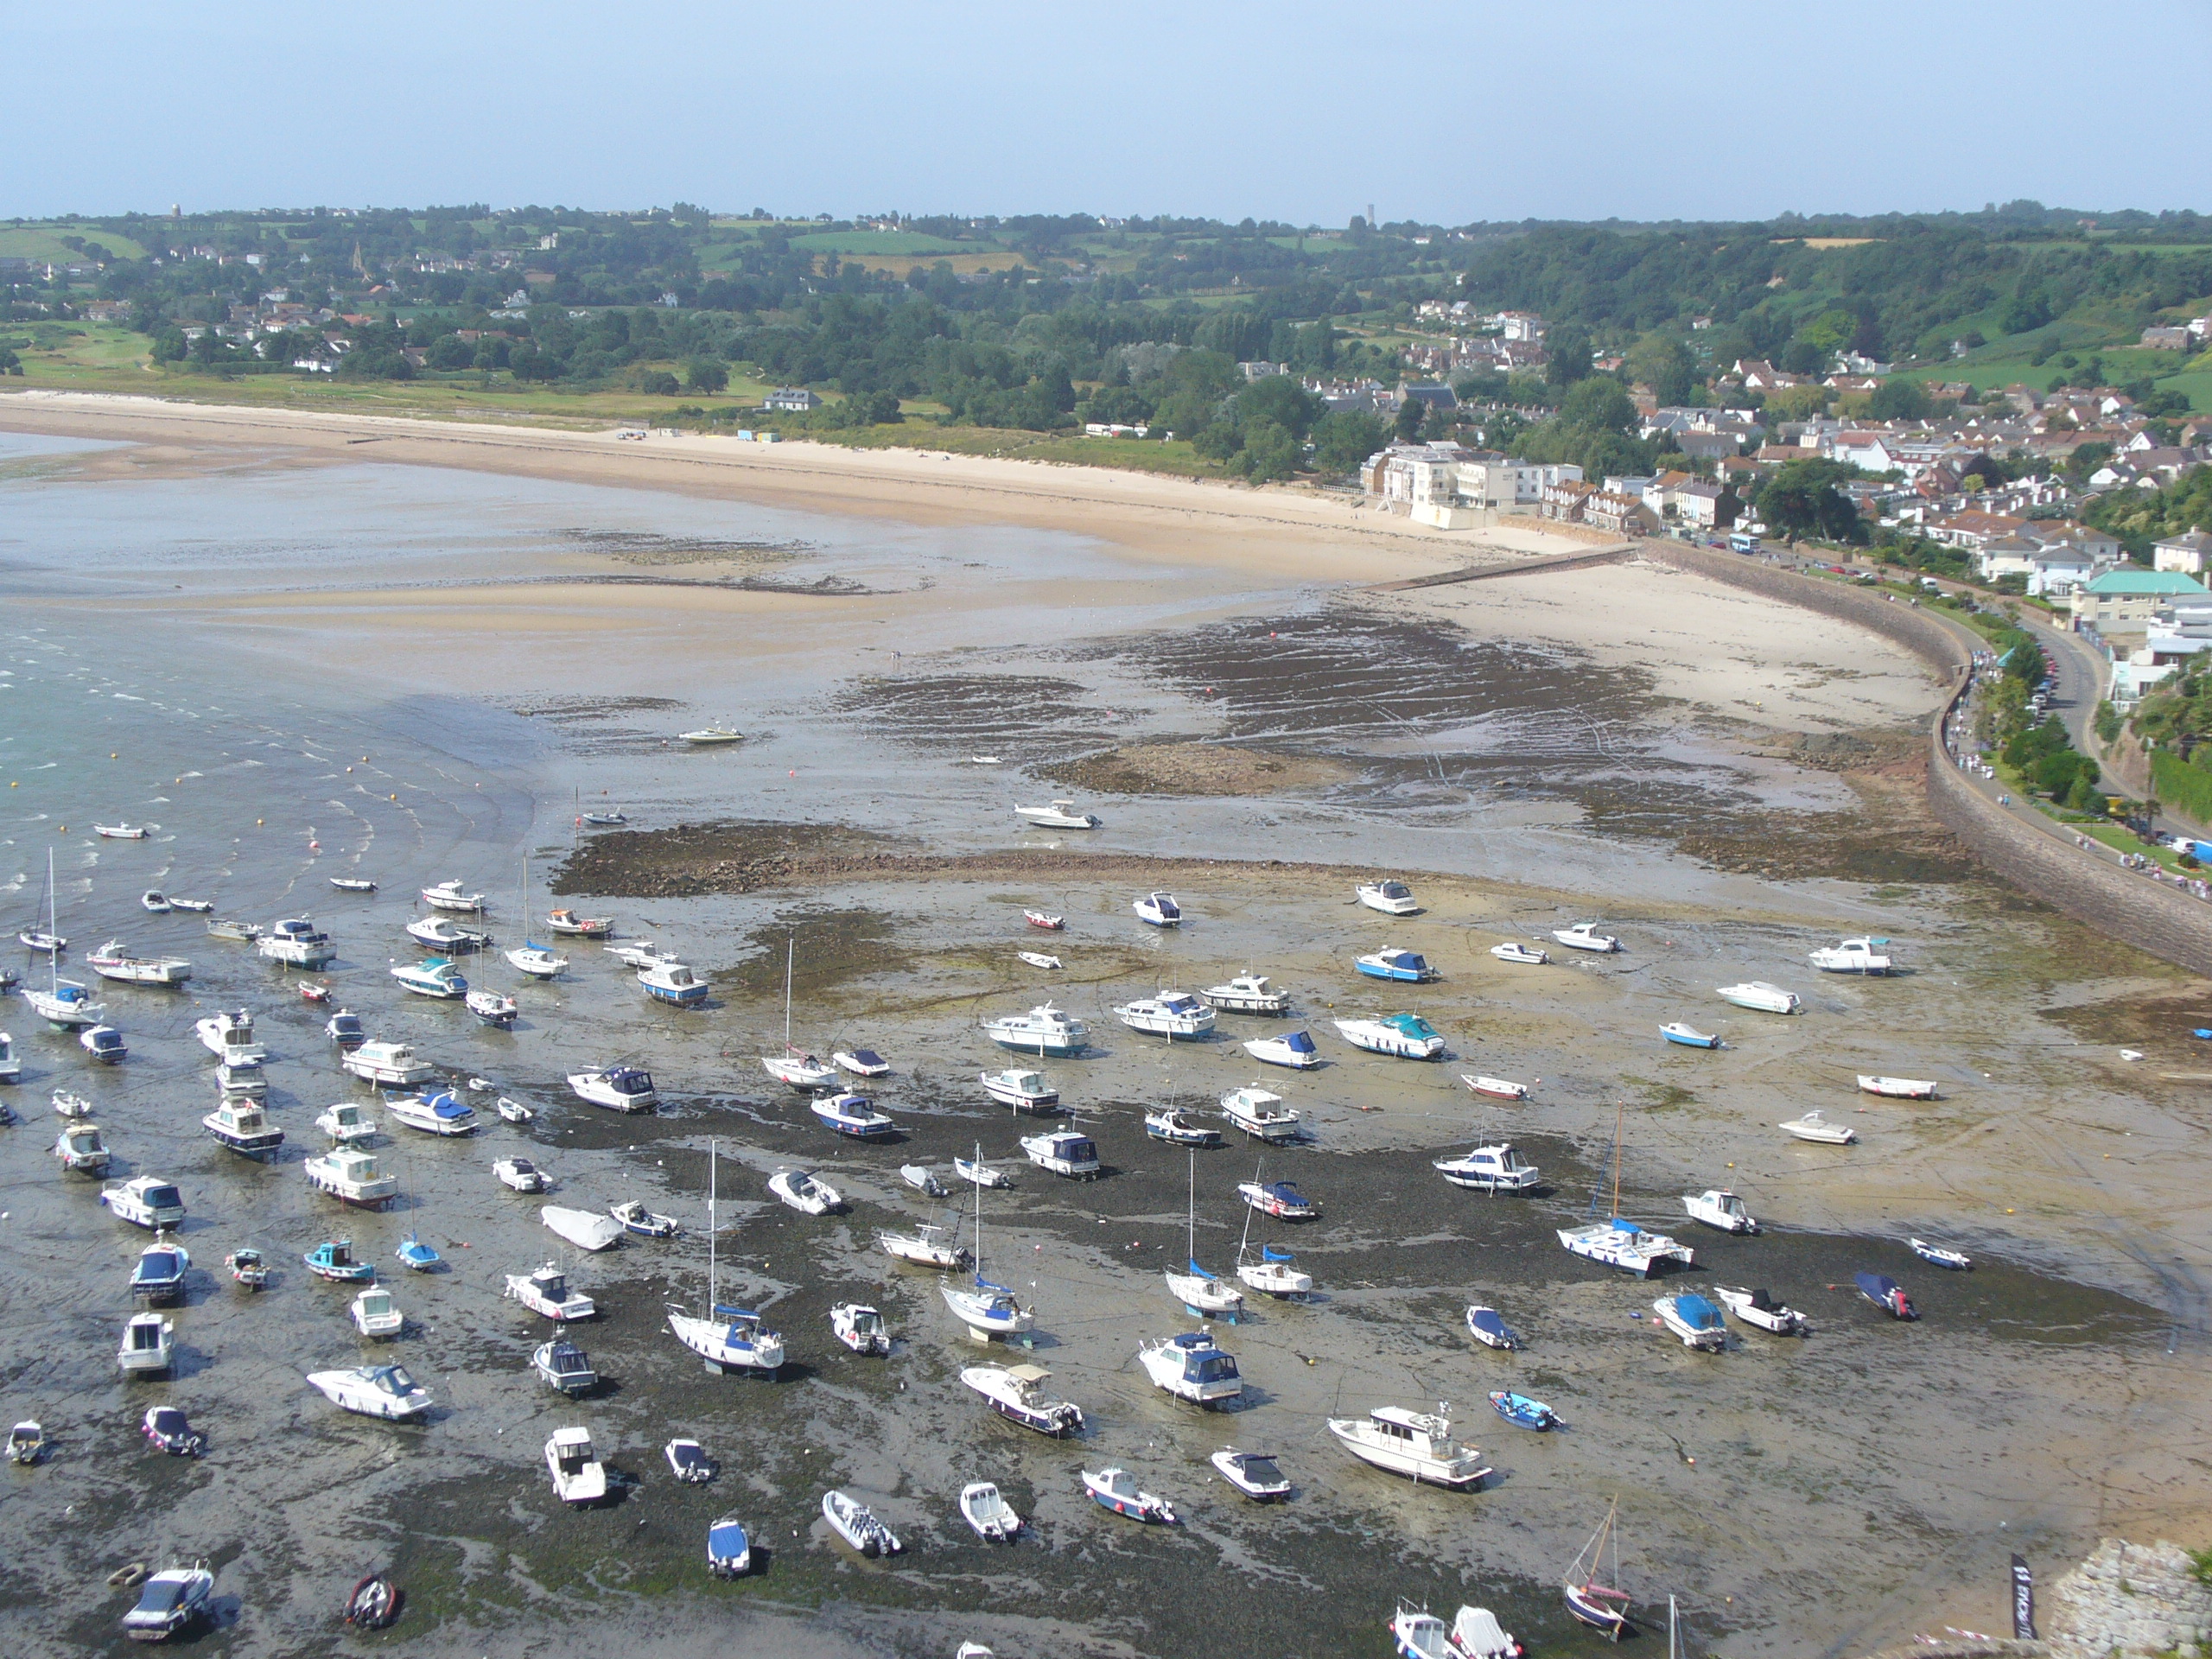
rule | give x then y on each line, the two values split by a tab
618	1087
853	1114
707	737
862	1063
565	1368
1684	1035
1025	1092
448	895
344	1028
1392	898
352	884
437	977
799	1189
26	1443
1260	1113
374	1604
520	1174
1039	959
81	1150
585	1229
385	1391
922	1180
513	1111
582	927
157	1277
1758	1308
1017	1394
1886	1294
1499	1168
1159	909
1060	814
1294	1049
1495	1087
856	1524
1522	1412
1408	1036
1514	950
146	1201
990	1515
1116	1489
646	1224
1860	955
1486	1326
443	934
578	1475
1897	1088
1281	1199
1050	922
102	1043
1814	1127
1760	997
442	1113
1179	1130
688	1462
729	1552
120	831
247	1266
375	1315
1393	963
1957	1261
334	1259
980	1173
1247	993
1693	1318
1253	1473
1719	1208
317	994
1584	936
605	820
861	1328
927	1246
172	1601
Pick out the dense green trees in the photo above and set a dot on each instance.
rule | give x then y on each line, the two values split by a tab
1802	500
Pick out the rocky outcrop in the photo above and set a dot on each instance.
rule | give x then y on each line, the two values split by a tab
2126	1599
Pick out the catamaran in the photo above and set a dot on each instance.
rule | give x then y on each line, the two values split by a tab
727	1339
1619	1243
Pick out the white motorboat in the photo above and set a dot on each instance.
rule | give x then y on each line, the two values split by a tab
1017	1394
640	953
1255	1474
120	831
1499	1168
1260	1113
1295	1049
585	1229
861	1328
581	927
927	1245
1956	1261
1171	1014
295	942
856	1524
437	977
1406	1036
578	1475
1514	950
1693	1318
520	1174
1044	1031
352	1176
563	1367
975	1170
246	1079
1476	1634
81	1150
922	1179
26	1443
395	1065
1897	1088
711	737
513	1111
1814	1127
352	884
1064	1151
1159	909
68	1105
346	1122
1025	1092
344	1028
1682	1035
1060	814
1247	993
1281	1199
375	1315
112	962
664	981
149	1345
1757	1307
852	1115
547	1292
1495	1087
1039	959
1584	936
1191	1367
158	1278
1203	1294
862	1063
1391	897
443	933
11	1069
1621	1243
644	1223
1718	1207
1180	1129
449	895
1759	997
728	1338
617	1088
245	1127
729	1552
442	1114
1116	1489
1859	955
102	1043
1411	1443
688	1462
1416	1633
805	1191
990	1515
800	1070
146	1201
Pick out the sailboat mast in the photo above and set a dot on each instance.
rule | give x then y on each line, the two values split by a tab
53	930
979	1218
1190	1216
790	953
712	1293
1620	1117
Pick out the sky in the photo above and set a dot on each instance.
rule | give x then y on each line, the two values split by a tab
1446	112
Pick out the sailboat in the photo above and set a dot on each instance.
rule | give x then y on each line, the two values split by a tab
727	1339
1198	1291
1273	1274
65	1004
529	957
987	1310
1602	1606
1619	1243
794	1066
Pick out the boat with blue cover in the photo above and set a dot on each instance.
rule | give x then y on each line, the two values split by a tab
853	1114
1281	1199
158	1277
729	1552
987	1309
1294	1049
442	1113
1406	1035
1486	1326
415	1255
1693	1318
1394	963
1522	1412
1886	1294
435	977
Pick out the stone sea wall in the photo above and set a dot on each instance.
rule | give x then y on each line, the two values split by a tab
2129	1600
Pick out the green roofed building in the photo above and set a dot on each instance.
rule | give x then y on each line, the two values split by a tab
2125	599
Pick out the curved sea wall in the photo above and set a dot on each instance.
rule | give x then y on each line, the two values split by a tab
2148	916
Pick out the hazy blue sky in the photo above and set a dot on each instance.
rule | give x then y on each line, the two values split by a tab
1450	111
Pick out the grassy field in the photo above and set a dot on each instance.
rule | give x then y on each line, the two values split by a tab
44	241
898	243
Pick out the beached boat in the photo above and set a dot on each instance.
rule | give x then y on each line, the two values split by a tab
800	1070
513	1111
1514	950
112	962
806	1192
1860	955
1281	1199
547	1292
1159	909
1247	993
1017	1394
334	1259
728	1338
173	1600
1044	919
617	1088
1272	1272
1406	1036
1260	1113
1116	1489
374	1604
1190	1366
1758	1308
157	1277
1621	1243
449	895
1897	1088
1487	1326
1255	1474
237	932
352	884
1759	997
11	1069
1392	962
297	942
1886	1294
375	1315
666	982
442	1114
688	1462
244	1126
1294	1049
1411	1443
443	934
1060	814
926	1245
395	1065
1584	936
1599	1604
1064	1151
990	1515
67	1104
861	1328
977	1171
1044	1031
581	927
243	1079
1813	1127
854	1522
922	1180
1495	1087
416	1256
437	977
729	1552
642	1223
81	1150
1203	1294
579	1477
1179	1130
563	1367
1039	959
862	1063
385	1391
146	1201
149	1345
1416	1633
1956	1261
987	1310
1392	897
353	1177
1499	1168
711	737
26	1443
344	1028
852	1115
585	1229
640	953
520	1174
346	1122
605	820
1025	1092
1522	1412
104	1043
1719	1208
1693	1318
65	1004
